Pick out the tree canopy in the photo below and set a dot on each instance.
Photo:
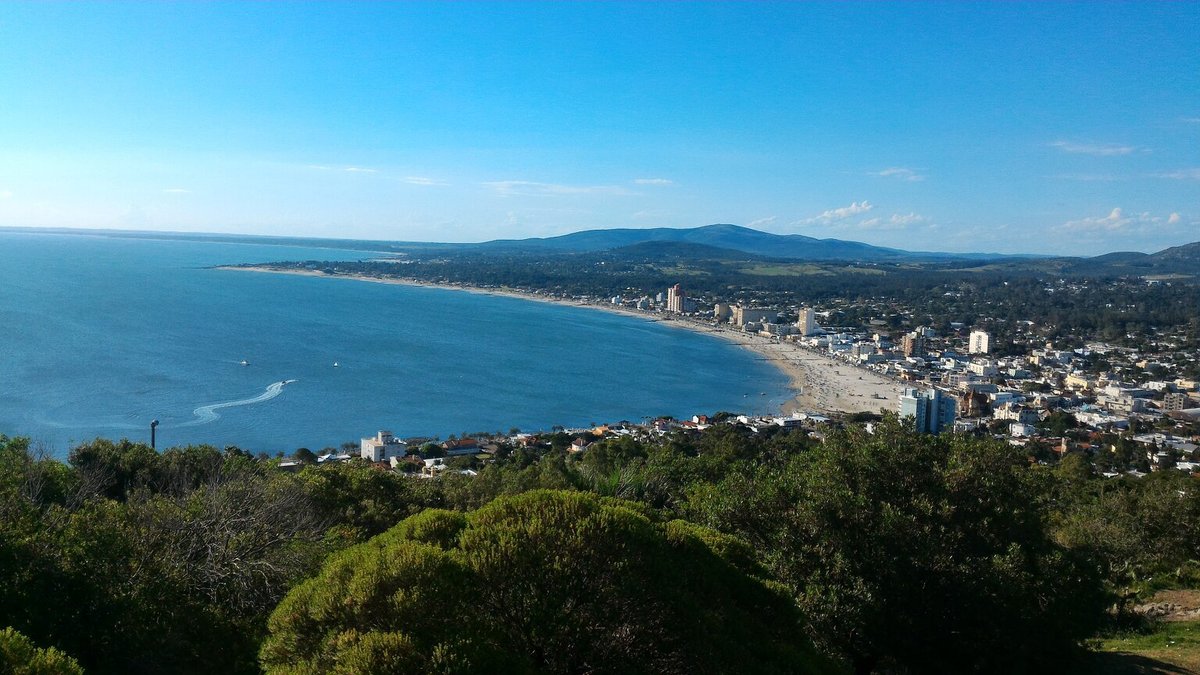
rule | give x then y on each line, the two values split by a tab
930	553
19	656
542	582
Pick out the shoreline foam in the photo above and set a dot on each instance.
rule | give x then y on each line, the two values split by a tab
817	383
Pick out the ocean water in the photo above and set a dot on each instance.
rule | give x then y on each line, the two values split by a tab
99	335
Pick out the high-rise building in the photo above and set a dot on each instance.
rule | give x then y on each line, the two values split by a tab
913	344
980	342
931	410
745	315
807	323
675	299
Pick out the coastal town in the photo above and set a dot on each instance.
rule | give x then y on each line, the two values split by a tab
1128	411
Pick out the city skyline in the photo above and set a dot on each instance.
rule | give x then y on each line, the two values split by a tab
1031	128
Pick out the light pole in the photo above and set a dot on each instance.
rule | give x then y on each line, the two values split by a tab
153	424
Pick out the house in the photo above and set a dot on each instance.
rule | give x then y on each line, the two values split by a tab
460	446
382	448
580	444
432	467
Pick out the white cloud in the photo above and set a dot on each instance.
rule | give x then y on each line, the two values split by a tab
836	215
653	181
897	221
176	191
1115	220
1190	120
909	219
1182	174
899	173
1096	149
1118	221
761	223
421	180
533	188
359	169
6	194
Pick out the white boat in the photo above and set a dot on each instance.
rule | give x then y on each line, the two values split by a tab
335	364
244	362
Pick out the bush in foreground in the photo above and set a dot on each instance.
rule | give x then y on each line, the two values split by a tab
19	656
543	582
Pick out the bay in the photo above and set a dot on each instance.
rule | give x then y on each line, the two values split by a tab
100	335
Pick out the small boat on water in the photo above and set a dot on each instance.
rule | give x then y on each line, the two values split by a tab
244	362
335	364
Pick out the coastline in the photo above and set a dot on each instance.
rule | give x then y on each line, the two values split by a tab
817	383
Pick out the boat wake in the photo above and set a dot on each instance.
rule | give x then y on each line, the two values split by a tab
208	413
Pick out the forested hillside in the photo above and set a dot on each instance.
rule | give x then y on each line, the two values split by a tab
883	552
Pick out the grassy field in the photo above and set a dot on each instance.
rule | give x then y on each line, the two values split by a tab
1172	647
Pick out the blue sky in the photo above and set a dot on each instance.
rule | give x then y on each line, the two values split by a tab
1039	128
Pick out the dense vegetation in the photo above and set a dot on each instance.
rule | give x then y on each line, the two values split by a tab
888	551
560	582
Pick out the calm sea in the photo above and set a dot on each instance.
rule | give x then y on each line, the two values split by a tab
98	336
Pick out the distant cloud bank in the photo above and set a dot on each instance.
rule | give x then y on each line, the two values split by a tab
1096	149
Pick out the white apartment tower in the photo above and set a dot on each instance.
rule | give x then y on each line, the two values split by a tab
980	342
807	323
675	299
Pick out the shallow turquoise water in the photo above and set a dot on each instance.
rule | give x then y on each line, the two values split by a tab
100	335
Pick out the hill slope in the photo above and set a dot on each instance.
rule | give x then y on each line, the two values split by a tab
724	236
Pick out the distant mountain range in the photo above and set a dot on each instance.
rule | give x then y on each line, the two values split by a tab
722	236
729	241
722	241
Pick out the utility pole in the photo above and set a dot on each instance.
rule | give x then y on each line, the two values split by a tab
153	425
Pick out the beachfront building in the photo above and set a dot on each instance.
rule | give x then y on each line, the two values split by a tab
913	344
746	315
931	410
675	299
979	343
383	447
721	312
806	324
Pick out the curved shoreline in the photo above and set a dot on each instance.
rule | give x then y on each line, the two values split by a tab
817	383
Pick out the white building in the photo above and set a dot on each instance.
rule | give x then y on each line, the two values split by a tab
383	447
675	299
980	342
807	323
983	368
747	315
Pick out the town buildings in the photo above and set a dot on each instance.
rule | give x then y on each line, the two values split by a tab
745	315
931	410
979	343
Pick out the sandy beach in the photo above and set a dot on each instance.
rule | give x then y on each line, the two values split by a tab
819	383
